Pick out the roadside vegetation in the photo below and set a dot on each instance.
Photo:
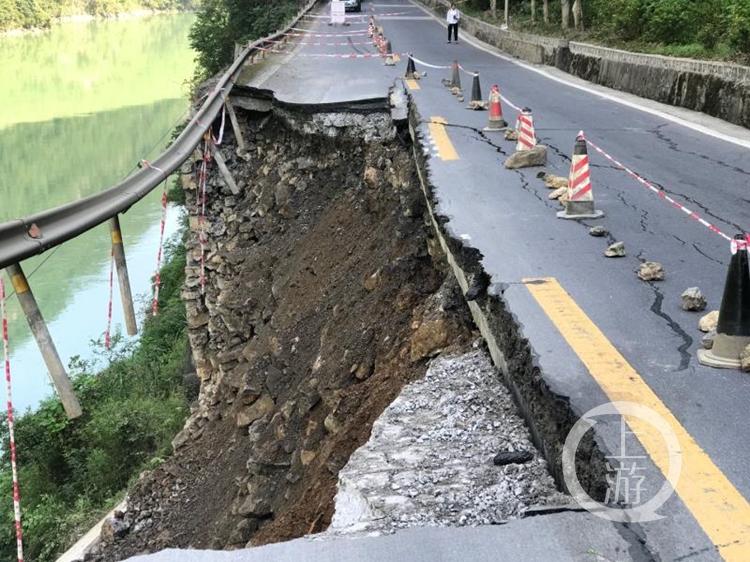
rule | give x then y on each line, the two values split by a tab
222	23
715	29
31	14
72	472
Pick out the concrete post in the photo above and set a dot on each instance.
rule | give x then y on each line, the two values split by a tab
38	326
235	126
225	173
123	280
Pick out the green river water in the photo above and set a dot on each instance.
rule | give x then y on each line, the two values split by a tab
80	105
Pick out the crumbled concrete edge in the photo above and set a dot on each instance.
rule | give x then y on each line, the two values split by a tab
429	459
549	415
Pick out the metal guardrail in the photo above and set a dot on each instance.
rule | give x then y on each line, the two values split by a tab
35	234
20	239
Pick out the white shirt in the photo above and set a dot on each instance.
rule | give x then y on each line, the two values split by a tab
453	15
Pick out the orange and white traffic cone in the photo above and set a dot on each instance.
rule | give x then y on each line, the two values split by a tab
526	134
496	121
580	203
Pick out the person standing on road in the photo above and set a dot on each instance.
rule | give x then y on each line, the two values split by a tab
453	17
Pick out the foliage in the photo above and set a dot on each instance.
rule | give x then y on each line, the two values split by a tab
71	471
695	28
222	23
28	14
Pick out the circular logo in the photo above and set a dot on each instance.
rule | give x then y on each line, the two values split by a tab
627	469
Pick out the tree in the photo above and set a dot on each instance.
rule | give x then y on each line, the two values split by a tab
578	14
545	11
493	8
533	11
506	12
565	17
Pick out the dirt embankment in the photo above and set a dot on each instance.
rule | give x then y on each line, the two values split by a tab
323	299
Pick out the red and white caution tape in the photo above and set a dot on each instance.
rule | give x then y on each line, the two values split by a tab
660	192
107	332
737	245
218	141
428	65
335	55
322	44
469	72
11	425
312	33
157	274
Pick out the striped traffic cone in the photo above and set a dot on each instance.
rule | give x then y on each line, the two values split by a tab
580	203
733	329
496	121
526	134
476	103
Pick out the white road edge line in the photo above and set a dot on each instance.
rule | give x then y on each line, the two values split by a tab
611	97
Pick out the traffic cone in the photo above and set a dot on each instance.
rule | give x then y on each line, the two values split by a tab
411	70
389	54
454	84
580	200
733	329
526	134
496	121
476	103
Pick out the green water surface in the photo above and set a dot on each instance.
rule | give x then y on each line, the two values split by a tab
80	105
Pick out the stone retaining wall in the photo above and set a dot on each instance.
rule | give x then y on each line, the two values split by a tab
715	88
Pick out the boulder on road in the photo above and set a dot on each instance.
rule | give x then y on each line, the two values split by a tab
651	271
537	156
616	250
709	321
693	299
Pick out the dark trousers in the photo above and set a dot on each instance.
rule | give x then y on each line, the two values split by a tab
454	28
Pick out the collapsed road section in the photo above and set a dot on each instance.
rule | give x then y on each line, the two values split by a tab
314	295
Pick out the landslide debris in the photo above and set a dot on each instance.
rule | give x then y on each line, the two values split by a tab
322	301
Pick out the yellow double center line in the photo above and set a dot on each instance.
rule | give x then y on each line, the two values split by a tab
722	512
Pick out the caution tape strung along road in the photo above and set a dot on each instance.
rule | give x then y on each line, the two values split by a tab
647	184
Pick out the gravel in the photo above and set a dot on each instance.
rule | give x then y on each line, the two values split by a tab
429	460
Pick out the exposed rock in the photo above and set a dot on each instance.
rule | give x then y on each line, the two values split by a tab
537	156
254	506
552	181
371	177
745	359
559	192
708	322
511	134
598	231
651	271
248	414
430	337
114	528
693	299
616	250
512	457
372	282
243	531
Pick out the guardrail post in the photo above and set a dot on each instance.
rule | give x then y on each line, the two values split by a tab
38	326
235	125
118	251
225	173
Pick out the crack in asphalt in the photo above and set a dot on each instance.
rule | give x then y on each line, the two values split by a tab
687	341
705	255
675	147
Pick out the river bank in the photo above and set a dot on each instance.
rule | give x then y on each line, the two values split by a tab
73	471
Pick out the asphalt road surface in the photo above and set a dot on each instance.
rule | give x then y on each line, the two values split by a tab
507	216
